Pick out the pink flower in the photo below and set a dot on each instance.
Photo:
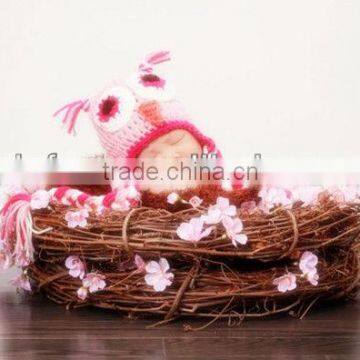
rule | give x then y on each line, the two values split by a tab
139	263
234	227
95	203
275	196
193	230
94	282
5	260
195	201
157	275
40	199
286	282
218	212
77	218
313	278
82	293
345	194
173	198
22	282
308	195
307	265
76	266
248	207
308	262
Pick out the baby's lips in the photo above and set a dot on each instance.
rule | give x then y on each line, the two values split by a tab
151	112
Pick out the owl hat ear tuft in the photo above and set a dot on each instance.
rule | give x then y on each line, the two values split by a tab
152	59
70	114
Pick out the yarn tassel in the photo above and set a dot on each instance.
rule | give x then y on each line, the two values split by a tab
71	115
16	228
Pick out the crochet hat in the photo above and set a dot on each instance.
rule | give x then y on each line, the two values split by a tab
129	115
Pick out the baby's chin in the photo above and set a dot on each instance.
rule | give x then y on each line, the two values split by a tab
171	156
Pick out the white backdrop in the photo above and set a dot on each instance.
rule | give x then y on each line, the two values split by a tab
279	77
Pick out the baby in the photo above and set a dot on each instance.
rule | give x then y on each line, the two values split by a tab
142	127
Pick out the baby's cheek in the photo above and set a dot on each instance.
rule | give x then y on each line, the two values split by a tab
171	156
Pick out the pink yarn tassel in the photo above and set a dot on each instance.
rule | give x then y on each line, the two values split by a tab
154	58
72	111
16	228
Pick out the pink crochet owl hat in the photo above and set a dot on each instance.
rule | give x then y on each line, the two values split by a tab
129	115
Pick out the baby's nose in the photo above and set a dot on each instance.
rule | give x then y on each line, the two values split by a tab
151	112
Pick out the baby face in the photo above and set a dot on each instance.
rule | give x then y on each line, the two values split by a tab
169	154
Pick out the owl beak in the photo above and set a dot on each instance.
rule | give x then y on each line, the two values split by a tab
151	112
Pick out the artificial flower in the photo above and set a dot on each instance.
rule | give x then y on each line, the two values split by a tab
233	228
95	203
308	262
39	200
248	207
157	275
94	282
139	263
308	195
173	198
286	282
307	265
22	282
274	196
221	210
77	218
193	230
82	293
313	278
345	194
76	266
195	201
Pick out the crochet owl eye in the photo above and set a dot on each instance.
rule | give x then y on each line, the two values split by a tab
114	108
150	86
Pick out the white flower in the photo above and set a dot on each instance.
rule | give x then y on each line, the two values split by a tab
233	228
149	86
77	218
173	198
39	200
193	230
195	201
157	275
221	210
286	282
